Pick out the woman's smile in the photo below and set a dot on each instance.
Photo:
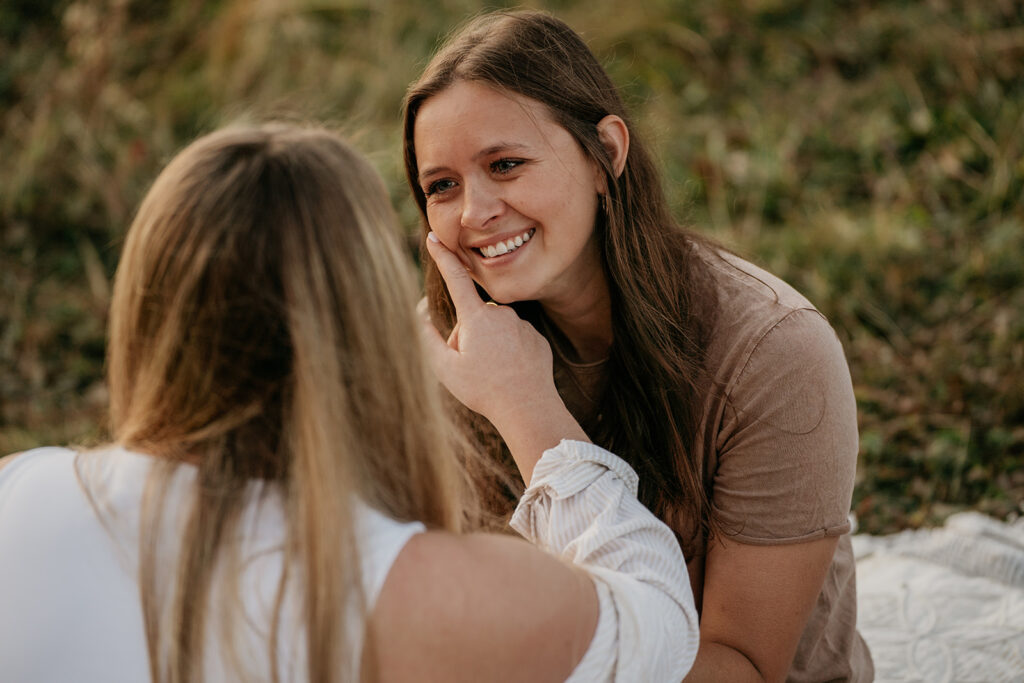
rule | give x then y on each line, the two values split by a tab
494	250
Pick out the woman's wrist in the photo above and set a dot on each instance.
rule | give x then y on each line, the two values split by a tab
533	429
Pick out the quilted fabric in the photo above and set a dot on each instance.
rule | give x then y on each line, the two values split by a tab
944	605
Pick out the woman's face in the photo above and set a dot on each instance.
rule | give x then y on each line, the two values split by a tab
510	192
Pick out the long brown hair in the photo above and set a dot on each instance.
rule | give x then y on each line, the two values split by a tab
262	328
662	302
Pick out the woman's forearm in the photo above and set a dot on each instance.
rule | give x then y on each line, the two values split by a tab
534	429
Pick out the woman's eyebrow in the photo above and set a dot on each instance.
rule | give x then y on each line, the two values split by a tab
500	147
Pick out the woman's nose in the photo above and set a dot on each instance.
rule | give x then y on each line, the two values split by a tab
480	205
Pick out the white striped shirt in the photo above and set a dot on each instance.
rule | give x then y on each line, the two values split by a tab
581	505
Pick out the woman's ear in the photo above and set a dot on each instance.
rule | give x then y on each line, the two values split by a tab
614	135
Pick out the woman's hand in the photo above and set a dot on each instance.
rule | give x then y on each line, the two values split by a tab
497	365
493	361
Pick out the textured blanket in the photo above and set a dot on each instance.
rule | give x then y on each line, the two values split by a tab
945	604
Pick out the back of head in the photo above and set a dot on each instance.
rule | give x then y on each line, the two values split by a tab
262	328
261	301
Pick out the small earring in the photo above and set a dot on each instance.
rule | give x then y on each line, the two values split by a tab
604	202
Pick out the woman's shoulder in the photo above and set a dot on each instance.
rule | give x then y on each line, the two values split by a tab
56	488
753	304
747	290
35	465
47	515
56	458
765	329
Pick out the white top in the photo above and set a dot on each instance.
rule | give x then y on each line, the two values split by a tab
69	596
68	582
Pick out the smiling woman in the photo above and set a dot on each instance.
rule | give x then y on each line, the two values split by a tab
723	386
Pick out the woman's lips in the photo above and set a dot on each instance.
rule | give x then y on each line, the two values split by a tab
504	247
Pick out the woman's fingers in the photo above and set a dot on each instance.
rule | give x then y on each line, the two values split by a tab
460	285
453	338
434	345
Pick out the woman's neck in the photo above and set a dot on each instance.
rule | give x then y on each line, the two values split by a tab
585	320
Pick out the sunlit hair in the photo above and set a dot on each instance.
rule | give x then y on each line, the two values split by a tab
262	328
662	302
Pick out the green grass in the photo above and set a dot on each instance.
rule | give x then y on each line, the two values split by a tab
872	154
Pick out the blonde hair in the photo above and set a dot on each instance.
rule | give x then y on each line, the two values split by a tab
262	328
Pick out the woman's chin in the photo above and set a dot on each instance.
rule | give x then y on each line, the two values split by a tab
508	295
504	300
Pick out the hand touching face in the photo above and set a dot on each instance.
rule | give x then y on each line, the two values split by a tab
497	365
493	361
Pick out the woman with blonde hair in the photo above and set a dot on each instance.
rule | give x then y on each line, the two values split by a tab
723	386
282	500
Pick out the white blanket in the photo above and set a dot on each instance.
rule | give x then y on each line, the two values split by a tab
946	604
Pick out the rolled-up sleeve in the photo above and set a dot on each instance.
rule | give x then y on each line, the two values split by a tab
582	506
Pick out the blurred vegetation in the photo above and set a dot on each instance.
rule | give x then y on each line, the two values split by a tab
871	153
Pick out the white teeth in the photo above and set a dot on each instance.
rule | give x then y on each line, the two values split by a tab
492	250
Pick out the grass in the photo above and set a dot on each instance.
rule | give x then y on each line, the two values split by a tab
872	154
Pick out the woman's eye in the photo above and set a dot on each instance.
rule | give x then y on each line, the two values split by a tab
502	166
438	186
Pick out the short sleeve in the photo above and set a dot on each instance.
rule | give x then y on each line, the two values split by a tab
787	447
381	539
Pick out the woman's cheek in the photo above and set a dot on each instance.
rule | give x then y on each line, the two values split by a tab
445	229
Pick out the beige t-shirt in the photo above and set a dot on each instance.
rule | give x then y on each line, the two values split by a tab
779	434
